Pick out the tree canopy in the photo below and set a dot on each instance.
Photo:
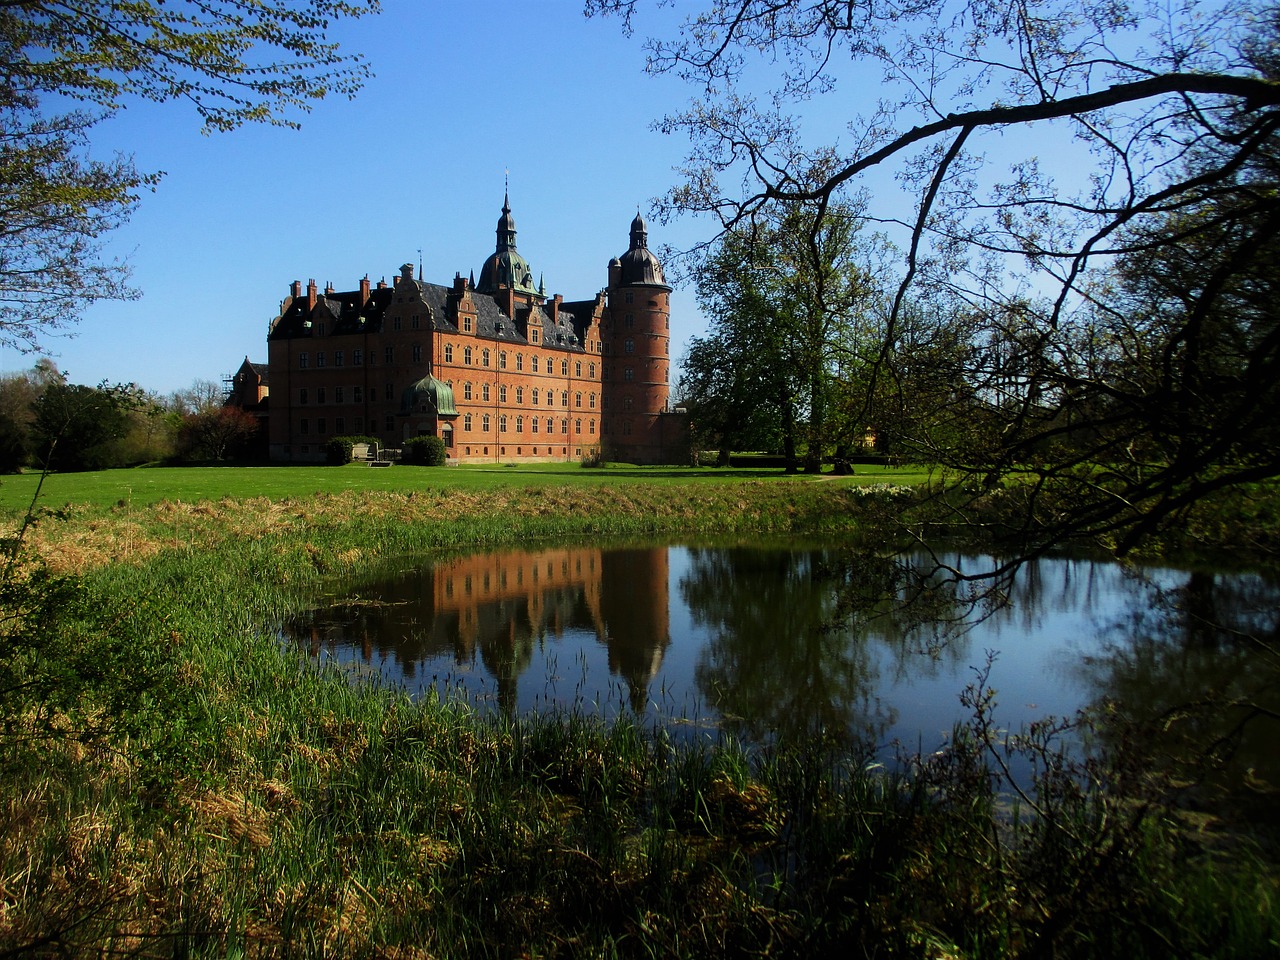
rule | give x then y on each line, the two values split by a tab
1091	202
67	64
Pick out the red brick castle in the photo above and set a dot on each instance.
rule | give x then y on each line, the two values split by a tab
495	368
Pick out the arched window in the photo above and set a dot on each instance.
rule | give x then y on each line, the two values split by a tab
533	421
502	359
593	401
564	398
502	393
466	356
577	368
484	423
448	353
484	392
628	345
502	424
564	368
519	394
519	424
577	399
535	396
466	423
466	390
577	426
484	357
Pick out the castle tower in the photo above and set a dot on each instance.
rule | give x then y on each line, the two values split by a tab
637	343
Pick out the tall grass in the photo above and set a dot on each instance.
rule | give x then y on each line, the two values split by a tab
269	807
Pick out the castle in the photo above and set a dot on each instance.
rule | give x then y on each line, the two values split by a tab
494	368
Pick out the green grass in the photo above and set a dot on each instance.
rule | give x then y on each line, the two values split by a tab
146	485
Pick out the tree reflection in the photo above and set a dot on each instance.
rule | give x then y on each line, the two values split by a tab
1194	674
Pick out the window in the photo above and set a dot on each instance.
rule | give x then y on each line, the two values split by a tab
577	399
533	422
502	359
551	399
628	296
626	403
319	394
466	390
502	424
564	368
535	396
304	425
550	426
519	394
577	426
484	423
564	398
564	425
466	356
320	425
414	322
466	423
593	401
390	392
337	395
395	324
484	357
535	364
502	393
631	321
466	324
357	358
389	355
337	358
389	424
628	345
484	392
593	371
339	426
533	335
448	353
627	374
417	352
591	426
302	396
302	361
319	358
357	424
519	361
357	394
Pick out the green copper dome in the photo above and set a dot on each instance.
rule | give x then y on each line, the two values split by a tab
429	395
505	267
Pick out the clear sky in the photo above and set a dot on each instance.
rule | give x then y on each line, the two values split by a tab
463	92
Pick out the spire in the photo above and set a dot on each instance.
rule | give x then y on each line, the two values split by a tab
419	264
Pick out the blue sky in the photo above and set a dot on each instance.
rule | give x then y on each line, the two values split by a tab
462	92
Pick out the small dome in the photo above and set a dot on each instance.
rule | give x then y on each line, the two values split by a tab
638	265
428	395
505	267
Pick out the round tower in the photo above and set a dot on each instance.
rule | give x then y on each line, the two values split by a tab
637	344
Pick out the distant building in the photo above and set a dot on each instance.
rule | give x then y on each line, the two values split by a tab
495	368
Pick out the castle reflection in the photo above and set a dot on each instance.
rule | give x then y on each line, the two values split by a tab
498	609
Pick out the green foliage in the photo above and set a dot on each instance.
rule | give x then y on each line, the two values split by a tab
339	449
235	62
217	433
80	428
425	451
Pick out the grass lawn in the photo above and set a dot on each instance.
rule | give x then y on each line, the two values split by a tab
147	485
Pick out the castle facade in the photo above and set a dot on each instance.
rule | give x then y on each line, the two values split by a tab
495	368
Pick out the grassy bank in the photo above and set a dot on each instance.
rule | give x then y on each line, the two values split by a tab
185	787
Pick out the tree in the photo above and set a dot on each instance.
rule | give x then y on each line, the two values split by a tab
18	396
1070	370
234	61
787	302
80	428
216	433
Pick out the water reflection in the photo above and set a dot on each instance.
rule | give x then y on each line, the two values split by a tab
755	641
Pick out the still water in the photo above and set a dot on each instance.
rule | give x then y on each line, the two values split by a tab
757	643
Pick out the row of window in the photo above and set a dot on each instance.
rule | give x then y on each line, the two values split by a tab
469	357
339	395
536	425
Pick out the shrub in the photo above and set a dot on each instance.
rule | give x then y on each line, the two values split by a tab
338	450
594	458
425	451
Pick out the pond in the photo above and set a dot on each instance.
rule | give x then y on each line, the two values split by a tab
756	642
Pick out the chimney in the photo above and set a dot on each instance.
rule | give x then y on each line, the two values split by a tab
311	294
382	284
364	290
328	288
295	289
